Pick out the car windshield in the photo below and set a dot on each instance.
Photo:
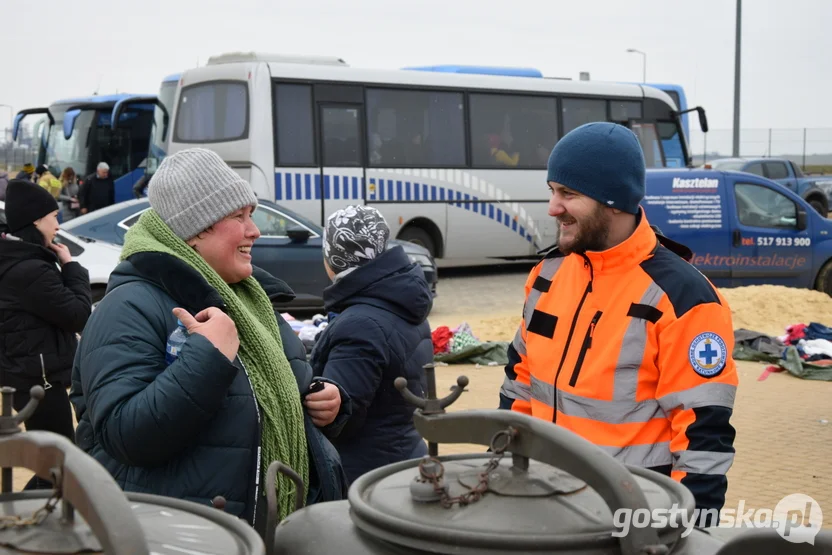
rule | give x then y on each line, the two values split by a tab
94	215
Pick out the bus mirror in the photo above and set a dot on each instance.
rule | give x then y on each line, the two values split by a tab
703	119
23	113
69	122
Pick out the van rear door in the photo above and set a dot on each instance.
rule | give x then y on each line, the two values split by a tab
771	238
689	207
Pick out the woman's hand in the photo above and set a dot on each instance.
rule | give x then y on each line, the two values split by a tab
62	251
323	405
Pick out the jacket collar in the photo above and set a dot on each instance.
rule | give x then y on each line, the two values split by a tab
630	252
184	284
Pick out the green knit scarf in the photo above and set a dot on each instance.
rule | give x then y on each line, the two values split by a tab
261	350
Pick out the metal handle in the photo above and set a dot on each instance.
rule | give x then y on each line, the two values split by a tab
271	496
545	442
84	484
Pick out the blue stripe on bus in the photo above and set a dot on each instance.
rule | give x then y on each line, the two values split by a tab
328	187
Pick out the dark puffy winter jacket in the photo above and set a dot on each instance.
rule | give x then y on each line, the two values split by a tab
380	332
42	307
190	430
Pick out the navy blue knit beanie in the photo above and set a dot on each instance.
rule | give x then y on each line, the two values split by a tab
603	161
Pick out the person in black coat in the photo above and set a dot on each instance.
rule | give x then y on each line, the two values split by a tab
379	332
98	190
45	300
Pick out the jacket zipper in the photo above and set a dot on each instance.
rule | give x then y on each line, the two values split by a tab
584	348
46	384
259	446
587	291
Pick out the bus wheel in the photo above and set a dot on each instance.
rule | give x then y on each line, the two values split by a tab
418	236
824	280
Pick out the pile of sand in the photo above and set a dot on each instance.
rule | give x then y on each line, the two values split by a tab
765	308
771	308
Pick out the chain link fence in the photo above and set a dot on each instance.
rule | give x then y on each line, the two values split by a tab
809	148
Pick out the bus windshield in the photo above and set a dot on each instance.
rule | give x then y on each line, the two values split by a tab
62	153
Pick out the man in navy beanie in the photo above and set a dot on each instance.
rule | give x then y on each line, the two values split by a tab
623	341
598	171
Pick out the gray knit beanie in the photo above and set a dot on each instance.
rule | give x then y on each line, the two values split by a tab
193	189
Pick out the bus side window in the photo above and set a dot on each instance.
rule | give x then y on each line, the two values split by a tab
578	111
416	129
295	125
512	131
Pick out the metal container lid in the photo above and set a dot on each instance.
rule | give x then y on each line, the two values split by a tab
555	492
86	511
537	509
170	527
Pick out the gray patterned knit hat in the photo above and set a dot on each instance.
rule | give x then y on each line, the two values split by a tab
193	189
353	236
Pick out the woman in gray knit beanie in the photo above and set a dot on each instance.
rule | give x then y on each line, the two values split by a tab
227	401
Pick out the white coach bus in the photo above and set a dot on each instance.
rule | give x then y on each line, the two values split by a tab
454	158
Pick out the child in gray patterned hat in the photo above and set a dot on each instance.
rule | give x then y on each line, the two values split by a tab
379	332
353	236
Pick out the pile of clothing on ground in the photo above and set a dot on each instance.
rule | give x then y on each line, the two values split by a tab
805	350
461	346
307	330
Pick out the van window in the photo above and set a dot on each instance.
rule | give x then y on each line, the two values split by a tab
212	112
512	131
415	129
293	113
759	206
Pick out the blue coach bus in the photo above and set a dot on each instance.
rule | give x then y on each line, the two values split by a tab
81	132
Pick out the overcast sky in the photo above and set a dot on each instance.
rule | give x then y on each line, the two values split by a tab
54	49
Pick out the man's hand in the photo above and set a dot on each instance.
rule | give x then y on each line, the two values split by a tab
216	326
62	251
323	406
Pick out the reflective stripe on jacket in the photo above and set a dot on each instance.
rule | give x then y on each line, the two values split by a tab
631	348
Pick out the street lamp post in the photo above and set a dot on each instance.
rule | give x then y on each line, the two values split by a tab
737	59
9	145
643	63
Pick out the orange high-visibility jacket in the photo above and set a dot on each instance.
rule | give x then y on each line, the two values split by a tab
631	348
